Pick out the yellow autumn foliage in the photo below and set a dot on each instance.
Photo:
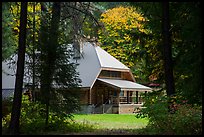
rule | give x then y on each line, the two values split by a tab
119	25
123	18
15	11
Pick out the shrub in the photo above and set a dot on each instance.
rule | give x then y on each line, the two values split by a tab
172	115
32	120
6	107
188	120
5	123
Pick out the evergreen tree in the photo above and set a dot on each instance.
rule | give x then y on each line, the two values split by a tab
58	77
16	107
9	43
186	45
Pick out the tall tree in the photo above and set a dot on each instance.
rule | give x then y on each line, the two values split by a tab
58	77
185	43
187	48
50	57
9	42
33	55
123	36
161	43
16	107
168	65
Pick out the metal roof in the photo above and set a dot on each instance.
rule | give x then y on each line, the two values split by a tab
108	61
125	85
88	65
9	72
93	59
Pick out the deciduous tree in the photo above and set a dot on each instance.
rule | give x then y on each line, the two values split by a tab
123	35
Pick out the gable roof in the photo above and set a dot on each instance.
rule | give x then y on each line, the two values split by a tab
108	61
88	65
93	60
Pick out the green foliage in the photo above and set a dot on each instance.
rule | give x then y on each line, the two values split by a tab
5	123
6	107
172	115
124	37
153	68
58	77
9	41
65	102
110	5
32	120
187	50
186	45
10	27
65	98
188	115
32	116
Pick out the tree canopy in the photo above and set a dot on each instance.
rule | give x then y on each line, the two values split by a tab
135	33
122	35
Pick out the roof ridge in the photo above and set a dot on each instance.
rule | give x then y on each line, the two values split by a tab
108	64
97	53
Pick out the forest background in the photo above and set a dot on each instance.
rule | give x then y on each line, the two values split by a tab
132	32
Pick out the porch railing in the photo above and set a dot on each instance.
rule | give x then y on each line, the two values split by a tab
124	100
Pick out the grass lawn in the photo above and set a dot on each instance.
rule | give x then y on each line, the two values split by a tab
112	121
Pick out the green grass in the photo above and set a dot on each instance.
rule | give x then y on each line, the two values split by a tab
112	121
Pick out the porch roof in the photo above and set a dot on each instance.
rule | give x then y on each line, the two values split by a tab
125	85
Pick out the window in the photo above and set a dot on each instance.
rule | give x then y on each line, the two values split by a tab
121	93
106	73
115	93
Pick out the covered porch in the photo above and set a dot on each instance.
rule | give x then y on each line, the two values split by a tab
127	97
121	95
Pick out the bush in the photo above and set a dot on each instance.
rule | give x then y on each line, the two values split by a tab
188	120
32	120
172	115
5	123
6	107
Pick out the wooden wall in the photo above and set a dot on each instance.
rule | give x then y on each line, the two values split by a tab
84	96
101	93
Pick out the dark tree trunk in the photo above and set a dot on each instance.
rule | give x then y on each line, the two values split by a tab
168	65
53	43
44	77
33	55
16	107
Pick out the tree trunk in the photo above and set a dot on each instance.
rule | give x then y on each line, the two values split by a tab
51	55
33	55
168	65
44	76
16	107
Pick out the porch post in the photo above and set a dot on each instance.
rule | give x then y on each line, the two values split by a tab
140	99
118	98
128	99
136	97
